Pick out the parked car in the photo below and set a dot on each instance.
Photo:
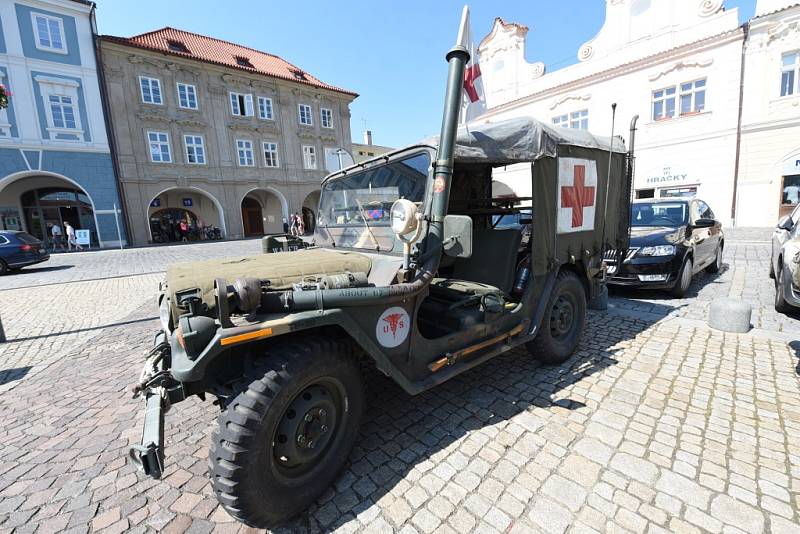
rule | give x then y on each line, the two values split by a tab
18	249
785	246
671	241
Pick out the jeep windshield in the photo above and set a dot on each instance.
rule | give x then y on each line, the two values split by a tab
354	209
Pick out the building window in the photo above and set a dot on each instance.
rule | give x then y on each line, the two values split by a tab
187	96
151	90
244	148
664	103
305	115
326	117
265	108
49	33
790	73
578	120
195	151
159	147
693	97
790	191
309	157
63	112
271	154
242	105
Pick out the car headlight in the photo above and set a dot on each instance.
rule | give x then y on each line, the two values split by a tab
659	250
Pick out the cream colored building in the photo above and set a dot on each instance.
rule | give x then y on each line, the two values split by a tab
217	135
368	150
678	65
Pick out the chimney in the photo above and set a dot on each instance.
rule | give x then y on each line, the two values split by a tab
368	137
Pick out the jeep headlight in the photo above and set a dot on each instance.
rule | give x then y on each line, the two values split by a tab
658	250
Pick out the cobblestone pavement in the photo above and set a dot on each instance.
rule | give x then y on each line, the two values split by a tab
657	424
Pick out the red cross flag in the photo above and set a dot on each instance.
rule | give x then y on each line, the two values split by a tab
474	99
577	194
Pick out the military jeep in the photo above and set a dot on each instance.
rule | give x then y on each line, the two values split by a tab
411	272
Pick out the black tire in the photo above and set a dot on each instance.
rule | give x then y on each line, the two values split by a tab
684	279
771	269
250	481
781	306
562	325
717	264
3	268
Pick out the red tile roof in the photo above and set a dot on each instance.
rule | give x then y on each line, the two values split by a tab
211	50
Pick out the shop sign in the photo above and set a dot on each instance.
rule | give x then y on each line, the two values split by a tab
792	165
82	237
187	202
155	203
668	176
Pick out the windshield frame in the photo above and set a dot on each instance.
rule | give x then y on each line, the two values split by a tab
656	203
323	237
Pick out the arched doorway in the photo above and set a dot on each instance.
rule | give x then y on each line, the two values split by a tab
310	207
37	202
263	212
184	214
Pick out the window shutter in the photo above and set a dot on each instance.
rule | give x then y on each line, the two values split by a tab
248	105
234	104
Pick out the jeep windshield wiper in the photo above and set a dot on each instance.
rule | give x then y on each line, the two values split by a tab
366	224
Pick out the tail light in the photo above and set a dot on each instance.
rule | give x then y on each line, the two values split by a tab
26	248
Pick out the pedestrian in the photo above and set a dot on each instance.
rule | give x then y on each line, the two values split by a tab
301	226
285	226
184	229
293	224
58	236
71	240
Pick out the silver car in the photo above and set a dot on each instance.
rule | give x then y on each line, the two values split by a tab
785	248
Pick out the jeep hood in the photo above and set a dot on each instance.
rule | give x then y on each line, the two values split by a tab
281	270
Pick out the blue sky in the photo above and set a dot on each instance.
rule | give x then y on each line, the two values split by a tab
393	57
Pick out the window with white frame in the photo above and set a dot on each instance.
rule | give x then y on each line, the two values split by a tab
49	33
579	120
265	108
195	151
187	96
305	115
663	103
326	117
244	149
561	120
5	125
151	90
159	147
693	97
271	154
61	107
309	157
242	105
790	73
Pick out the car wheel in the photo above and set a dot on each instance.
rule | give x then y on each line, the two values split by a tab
781	306
287	431
3	267
684	279
717	265
771	269
563	322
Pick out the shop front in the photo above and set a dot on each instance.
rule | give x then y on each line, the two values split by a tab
790	185
667	181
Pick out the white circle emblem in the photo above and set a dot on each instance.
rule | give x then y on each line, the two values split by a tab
393	327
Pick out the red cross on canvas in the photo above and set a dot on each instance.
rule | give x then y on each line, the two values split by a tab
577	196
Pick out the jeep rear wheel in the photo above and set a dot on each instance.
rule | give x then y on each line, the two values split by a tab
563	321
287	432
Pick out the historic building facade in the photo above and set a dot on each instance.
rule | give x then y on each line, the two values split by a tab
218	135
55	162
678	65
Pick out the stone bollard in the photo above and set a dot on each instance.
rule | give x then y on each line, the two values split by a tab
600	302
730	315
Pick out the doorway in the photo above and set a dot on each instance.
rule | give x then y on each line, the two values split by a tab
252	217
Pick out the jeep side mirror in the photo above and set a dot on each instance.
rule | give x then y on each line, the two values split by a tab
785	223
458	236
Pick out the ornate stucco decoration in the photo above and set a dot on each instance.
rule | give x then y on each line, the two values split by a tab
537	69
230	79
175	67
586	51
328	138
782	30
572	96
706	8
504	37
191	122
265	86
306	134
154	117
139	60
261	128
679	65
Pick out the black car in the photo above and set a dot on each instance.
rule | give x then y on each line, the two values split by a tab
18	249
671	240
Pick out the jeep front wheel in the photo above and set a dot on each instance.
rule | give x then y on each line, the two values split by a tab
563	321
287	432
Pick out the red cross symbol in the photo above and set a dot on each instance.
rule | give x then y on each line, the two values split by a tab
577	196
472	73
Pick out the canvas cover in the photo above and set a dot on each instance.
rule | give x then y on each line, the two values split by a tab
280	269
520	139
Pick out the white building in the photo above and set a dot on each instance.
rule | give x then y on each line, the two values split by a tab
678	65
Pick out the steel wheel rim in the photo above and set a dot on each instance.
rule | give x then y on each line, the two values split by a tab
308	427
562	316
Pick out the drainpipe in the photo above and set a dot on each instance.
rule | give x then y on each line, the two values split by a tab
746	33
112	143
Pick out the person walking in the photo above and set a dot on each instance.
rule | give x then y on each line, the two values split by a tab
58	237
71	240
184	229
301	226
293	224
285	226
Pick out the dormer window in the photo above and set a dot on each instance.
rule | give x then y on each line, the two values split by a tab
244	62
298	74
177	46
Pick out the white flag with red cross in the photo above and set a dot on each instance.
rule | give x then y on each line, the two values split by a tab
474	99
577	194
